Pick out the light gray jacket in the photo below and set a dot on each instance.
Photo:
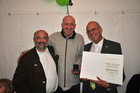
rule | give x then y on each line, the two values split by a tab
70	52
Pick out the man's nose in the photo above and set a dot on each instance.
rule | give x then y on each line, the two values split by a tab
42	39
69	26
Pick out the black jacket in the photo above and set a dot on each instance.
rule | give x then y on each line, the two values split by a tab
29	76
133	85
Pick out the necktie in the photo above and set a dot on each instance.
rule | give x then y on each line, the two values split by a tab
93	86
97	49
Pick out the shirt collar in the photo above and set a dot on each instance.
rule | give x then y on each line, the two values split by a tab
39	53
100	44
72	36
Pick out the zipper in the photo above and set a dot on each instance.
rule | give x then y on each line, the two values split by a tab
65	63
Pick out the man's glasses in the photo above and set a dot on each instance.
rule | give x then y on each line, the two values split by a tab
93	29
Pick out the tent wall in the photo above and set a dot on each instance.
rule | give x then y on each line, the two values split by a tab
19	19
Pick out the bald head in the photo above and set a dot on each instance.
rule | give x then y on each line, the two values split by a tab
93	23
68	18
40	31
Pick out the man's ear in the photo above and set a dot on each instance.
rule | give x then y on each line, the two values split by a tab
62	25
101	30
75	26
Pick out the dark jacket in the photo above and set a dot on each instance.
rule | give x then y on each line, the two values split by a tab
133	85
109	47
29	76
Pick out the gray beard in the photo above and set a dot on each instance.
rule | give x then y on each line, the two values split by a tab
41	48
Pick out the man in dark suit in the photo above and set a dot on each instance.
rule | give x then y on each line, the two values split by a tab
37	68
99	45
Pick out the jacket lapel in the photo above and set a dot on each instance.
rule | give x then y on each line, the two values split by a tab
104	49
37	64
88	47
105	46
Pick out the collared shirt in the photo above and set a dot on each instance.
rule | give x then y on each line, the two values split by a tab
97	47
49	69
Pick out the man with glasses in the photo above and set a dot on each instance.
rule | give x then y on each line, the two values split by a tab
100	45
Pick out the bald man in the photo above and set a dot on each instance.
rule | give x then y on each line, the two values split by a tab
99	44
37	68
69	46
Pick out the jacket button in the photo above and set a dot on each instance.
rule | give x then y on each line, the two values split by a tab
43	82
35	65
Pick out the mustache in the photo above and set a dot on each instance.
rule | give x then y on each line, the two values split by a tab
68	28
41	43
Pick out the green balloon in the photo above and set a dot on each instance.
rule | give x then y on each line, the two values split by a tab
62	2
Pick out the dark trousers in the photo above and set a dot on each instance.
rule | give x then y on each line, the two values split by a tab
74	89
59	90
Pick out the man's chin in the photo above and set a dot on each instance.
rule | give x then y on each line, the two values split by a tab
41	48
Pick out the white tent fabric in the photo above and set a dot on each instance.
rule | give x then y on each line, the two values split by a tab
19	19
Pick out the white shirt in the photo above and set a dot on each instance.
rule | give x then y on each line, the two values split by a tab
49	69
97	47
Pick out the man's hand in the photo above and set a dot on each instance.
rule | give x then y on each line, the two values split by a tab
101	82
76	72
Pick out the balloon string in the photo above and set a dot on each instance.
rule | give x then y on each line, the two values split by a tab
67	9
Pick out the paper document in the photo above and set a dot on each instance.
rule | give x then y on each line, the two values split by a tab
108	67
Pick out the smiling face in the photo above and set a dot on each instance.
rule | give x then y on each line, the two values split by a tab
41	40
68	25
94	32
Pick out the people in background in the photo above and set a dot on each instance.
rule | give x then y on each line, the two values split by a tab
6	86
69	45
133	85
100	45
37	68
